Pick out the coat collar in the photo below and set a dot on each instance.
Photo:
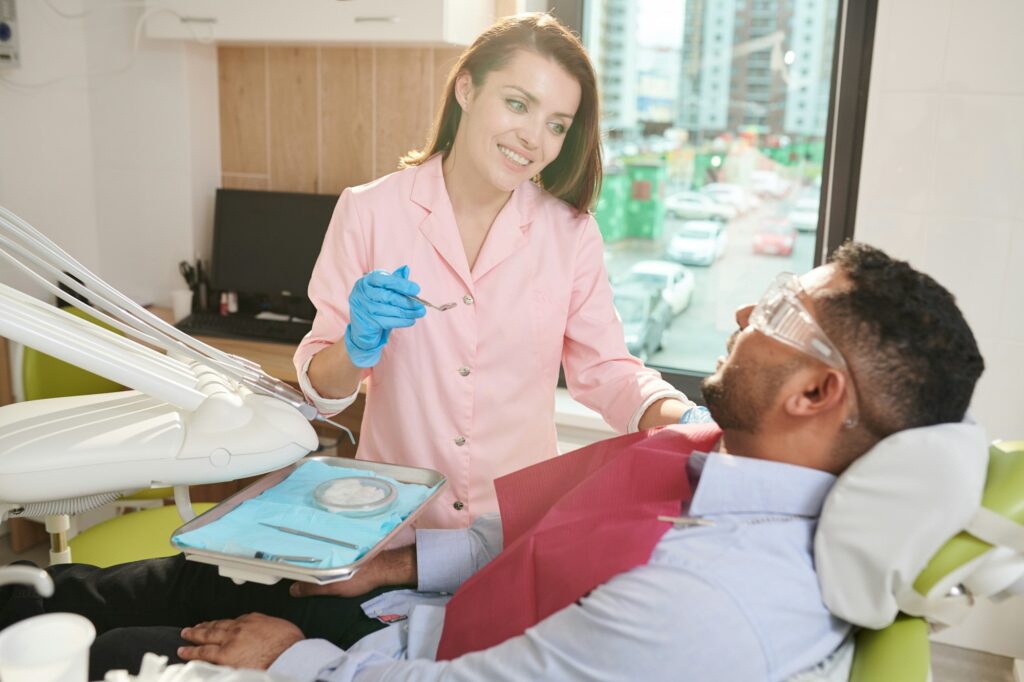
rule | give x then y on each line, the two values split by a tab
508	234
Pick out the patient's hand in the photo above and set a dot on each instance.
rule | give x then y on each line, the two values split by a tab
391	567
251	641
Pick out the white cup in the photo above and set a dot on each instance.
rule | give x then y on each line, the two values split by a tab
49	648
181	304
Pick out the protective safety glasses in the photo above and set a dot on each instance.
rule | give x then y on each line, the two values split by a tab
782	316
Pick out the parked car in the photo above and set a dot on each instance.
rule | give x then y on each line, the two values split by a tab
674	281
804	214
646	317
768	183
698	242
774	237
733	195
697	206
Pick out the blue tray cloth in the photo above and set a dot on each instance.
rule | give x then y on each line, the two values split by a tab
290	503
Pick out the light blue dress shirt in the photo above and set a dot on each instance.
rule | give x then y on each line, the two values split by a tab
736	600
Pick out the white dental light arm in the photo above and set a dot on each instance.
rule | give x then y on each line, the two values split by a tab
196	414
30	251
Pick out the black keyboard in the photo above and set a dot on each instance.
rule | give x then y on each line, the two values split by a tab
242	327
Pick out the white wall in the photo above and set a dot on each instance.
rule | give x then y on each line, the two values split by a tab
942	185
118	161
45	142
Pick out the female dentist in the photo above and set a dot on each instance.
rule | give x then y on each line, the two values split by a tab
491	216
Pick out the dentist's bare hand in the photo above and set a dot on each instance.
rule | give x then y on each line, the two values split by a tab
250	641
391	567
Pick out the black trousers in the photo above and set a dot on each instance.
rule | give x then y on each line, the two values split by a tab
142	606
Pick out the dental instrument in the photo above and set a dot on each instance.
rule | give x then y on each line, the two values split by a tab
311	536
443	307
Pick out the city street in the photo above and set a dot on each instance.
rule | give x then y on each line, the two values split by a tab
697	336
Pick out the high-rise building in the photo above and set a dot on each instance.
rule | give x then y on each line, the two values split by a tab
761	64
615	58
810	74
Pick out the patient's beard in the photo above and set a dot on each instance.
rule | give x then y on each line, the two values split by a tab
738	395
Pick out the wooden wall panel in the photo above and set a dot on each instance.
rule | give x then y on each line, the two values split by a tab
503	8
444	60
229	181
321	119
242	73
293	95
404	107
346	118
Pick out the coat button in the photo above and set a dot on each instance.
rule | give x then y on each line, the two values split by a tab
460	441
467	299
458	505
464	371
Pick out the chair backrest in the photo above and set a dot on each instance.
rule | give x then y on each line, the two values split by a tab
44	376
976	567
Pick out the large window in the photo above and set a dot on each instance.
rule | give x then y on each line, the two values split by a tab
722	162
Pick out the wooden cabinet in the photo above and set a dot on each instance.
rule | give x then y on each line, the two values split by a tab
395	22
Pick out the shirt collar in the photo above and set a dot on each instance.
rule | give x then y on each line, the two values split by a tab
429	191
729	484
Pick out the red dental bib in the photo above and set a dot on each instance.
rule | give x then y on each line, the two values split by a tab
570	524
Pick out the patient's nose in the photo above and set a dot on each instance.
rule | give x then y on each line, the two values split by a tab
743	315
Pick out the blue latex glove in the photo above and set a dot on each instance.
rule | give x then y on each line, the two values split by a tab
696	415
379	303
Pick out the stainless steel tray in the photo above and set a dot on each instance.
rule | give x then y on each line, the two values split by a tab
245	569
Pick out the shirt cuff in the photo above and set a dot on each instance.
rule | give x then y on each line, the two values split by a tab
325	406
304	660
634	421
444	559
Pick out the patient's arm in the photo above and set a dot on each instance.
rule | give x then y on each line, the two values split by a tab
440	561
651	623
390	567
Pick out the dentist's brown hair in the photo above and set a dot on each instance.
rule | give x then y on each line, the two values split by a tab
575	175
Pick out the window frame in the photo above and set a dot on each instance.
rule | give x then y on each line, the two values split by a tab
844	137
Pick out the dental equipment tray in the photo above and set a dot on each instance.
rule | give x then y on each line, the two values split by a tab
267	571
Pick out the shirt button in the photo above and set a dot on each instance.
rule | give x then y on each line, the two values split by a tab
464	371
460	441
458	505
467	299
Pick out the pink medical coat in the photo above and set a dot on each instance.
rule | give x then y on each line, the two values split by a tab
470	392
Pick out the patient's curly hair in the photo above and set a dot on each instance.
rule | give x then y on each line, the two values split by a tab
914	358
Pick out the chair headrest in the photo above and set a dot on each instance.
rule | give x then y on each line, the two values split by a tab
891	511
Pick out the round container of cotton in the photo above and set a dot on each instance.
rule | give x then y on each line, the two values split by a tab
356	495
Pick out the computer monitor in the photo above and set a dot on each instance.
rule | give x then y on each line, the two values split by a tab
266	243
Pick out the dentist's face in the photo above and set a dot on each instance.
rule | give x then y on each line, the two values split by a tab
514	123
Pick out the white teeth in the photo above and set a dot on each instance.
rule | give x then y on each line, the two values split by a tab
521	160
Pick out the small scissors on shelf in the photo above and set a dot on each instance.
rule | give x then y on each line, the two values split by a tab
189	273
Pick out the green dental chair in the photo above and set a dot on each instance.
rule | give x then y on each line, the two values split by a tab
141	534
977	507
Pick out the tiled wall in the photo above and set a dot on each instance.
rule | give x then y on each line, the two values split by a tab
319	119
942	185
942	180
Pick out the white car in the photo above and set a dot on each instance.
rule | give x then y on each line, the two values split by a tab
674	281
698	242
697	206
734	195
804	214
768	183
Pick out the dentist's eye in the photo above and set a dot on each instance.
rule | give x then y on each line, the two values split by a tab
516	105
557	128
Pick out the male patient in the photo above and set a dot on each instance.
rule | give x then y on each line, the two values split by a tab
821	369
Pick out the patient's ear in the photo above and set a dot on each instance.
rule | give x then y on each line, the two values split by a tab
815	391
